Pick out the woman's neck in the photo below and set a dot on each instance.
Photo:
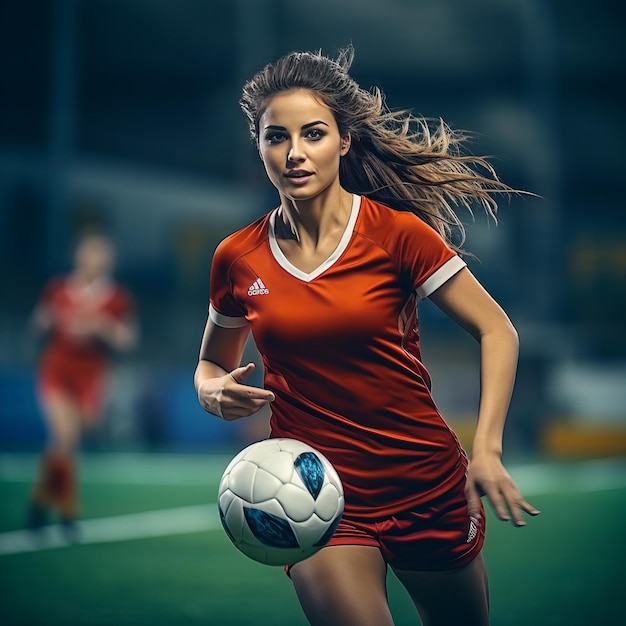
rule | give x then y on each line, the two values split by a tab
311	222
84	280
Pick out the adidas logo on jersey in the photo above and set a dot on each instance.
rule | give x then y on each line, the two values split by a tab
257	288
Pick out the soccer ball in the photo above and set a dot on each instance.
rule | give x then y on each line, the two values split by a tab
280	501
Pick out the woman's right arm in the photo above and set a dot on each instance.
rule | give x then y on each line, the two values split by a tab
219	378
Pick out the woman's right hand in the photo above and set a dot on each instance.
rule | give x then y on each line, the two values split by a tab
228	398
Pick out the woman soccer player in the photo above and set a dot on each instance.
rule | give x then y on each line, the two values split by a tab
85	314
329	283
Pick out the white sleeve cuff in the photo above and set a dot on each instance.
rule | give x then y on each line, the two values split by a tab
225	321
442	275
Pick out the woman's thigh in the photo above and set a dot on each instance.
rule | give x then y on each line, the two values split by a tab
63	418
343	586
450	597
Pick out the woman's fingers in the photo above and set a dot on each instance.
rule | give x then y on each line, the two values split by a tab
509	504
240	374
239	400
489	478
473	501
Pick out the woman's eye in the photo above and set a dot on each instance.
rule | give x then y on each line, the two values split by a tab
274	138
315	134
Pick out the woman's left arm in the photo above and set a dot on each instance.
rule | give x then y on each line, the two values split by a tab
465	301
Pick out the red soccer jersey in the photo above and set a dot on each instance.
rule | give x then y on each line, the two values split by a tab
340	347
69	306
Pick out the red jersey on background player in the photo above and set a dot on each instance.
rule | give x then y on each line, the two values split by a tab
328	284
85	315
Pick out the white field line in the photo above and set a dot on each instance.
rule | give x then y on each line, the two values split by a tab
540	479
181	520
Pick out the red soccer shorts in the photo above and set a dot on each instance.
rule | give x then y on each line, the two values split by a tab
442	536
83	384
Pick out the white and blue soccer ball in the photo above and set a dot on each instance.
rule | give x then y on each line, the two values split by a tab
280	501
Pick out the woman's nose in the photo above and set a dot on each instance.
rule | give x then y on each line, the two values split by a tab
295	152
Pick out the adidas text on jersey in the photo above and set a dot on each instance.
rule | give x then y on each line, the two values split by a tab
258	288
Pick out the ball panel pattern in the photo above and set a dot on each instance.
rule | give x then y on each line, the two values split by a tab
265	487
311	471
258	452
327	502
327	536
241	480
296	502
233	518
280	501
270	529
226	527
280	465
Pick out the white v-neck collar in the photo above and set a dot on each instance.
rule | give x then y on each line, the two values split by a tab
284	262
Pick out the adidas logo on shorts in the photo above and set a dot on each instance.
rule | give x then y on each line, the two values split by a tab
473	530
257	288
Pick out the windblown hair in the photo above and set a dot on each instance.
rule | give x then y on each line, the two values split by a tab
406	162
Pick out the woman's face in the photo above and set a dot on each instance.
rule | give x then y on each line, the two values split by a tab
300	145
94	257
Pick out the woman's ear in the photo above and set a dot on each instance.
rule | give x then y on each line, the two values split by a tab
346	142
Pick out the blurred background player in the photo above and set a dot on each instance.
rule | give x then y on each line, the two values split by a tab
85	317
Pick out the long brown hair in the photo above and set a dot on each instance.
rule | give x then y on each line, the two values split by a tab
406	162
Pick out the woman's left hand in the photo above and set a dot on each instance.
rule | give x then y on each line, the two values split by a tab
487	476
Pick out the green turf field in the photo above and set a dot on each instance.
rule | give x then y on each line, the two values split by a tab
154	552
